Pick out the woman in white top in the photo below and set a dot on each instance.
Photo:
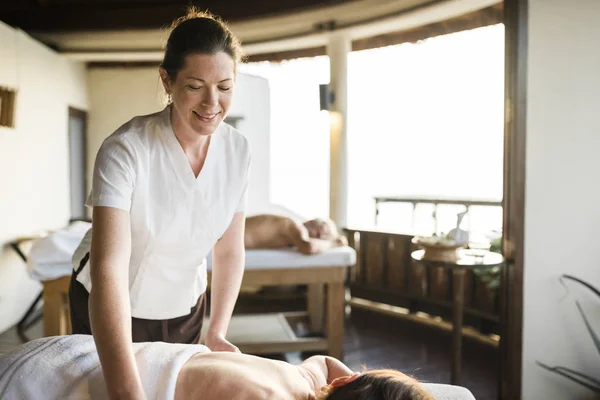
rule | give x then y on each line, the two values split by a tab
167	188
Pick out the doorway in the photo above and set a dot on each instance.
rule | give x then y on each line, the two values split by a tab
77	162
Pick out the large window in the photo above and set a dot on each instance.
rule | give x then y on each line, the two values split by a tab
424	120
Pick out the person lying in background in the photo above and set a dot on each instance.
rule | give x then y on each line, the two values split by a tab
67	367
269	231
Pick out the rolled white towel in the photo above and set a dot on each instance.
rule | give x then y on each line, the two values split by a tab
67	367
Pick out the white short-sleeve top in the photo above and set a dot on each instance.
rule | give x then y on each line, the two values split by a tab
176	217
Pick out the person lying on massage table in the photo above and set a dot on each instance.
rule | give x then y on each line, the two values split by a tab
269	231
67	367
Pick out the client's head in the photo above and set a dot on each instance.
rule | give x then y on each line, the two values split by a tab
381	384
320	228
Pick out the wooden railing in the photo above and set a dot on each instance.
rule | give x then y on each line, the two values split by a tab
385	273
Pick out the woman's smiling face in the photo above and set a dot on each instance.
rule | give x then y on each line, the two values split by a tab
202	91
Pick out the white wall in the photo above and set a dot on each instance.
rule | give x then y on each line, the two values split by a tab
34	175
562	210
119	94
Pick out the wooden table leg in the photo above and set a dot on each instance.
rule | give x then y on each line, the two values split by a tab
335	319
458	300
316	306
56	306
51	310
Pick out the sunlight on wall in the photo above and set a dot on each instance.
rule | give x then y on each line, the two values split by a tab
299	134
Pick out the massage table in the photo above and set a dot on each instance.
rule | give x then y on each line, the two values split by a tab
49	261
324	274
68	367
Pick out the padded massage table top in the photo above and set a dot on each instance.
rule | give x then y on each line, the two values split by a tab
291	258
50	256
448	392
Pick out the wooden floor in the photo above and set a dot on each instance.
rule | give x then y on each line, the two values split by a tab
378	341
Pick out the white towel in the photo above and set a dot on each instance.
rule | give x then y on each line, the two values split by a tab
67	367
50	256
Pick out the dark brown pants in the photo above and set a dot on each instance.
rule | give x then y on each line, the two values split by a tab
185	329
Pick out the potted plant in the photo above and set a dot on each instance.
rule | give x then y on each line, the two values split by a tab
582	379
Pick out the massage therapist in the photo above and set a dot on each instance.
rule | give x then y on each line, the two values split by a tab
167	189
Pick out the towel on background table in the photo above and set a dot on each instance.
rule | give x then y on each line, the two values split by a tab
67	367
50	256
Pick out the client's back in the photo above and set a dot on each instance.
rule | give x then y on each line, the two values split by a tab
219	375
222	375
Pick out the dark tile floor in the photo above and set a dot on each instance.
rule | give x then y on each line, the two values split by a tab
379	341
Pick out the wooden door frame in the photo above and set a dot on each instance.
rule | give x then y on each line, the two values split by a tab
515	118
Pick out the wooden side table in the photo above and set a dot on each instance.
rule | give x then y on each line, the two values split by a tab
466	260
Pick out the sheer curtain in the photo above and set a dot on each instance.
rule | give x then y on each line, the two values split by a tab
426	120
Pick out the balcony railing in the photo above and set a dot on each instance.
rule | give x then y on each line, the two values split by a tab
467	204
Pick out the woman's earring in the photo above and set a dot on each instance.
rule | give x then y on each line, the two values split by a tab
169	98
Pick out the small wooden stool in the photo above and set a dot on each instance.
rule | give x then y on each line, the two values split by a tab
57	315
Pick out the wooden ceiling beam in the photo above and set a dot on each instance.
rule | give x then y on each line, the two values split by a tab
114	15
477	19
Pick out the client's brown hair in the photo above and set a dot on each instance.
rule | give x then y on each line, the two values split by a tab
381	384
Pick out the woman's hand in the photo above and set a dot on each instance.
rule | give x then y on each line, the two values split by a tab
217	342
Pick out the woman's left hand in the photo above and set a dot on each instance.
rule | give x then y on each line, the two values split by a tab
217	342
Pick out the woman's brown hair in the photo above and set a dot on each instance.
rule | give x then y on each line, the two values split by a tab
198	32
382	384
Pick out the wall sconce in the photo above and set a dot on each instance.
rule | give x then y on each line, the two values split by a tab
326	96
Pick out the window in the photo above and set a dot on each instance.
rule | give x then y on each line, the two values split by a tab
424	120
427	120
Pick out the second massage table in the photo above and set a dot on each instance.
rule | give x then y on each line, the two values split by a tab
324	274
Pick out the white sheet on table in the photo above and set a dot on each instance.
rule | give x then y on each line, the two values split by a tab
50	256
291	258
67	367
448	392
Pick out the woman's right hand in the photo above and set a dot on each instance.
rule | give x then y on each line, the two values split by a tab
217	342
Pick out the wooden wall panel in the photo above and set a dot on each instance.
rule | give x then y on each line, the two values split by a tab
375	258
417	281
398	255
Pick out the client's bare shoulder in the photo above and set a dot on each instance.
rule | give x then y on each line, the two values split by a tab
268	231
222	375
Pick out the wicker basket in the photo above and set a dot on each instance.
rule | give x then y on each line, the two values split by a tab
447	252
